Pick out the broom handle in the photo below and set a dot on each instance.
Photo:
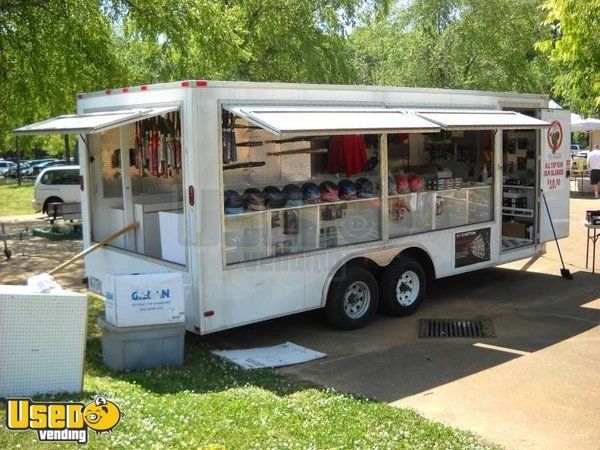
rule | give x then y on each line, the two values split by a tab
96	246
553	231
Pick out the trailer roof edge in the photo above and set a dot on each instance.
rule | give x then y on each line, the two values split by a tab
186	84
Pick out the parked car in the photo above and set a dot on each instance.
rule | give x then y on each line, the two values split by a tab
583	154
12	172
36	169
5	166
23	166
26	167
575	149
56	184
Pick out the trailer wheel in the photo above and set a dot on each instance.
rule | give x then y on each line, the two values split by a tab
402	287
352	300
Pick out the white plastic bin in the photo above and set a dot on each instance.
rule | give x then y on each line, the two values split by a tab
144	299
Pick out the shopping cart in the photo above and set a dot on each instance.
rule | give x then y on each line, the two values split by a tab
20	235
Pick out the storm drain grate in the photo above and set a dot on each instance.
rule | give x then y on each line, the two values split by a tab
455	328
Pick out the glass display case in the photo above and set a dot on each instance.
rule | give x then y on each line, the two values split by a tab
439	182
305	193
294	195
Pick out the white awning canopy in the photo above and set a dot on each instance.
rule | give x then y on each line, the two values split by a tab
285	120
91	122
481	119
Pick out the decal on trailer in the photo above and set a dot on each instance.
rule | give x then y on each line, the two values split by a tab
554	166
554	173
471	247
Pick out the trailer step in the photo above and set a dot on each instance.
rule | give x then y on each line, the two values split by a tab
455	328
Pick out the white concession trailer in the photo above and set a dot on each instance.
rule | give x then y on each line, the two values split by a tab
273	199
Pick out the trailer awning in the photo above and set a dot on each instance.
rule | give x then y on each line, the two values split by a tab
481	119
91	122
284	120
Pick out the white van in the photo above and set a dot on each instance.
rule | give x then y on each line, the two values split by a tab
56	184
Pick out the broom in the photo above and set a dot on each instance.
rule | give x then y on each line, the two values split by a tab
564	271
45	282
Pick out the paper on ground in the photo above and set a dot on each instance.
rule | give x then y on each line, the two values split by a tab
275	356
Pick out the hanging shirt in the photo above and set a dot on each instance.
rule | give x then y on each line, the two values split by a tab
347	153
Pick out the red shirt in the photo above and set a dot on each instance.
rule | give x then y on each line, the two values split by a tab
347	153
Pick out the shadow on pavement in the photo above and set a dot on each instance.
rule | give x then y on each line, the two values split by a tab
387	360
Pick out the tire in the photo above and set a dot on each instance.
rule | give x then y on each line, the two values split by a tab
344	308
403	285
50	200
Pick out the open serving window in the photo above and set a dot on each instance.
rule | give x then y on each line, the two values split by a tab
135	162
136	173
439	181
304	178
298	179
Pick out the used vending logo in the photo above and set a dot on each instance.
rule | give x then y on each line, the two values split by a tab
62	421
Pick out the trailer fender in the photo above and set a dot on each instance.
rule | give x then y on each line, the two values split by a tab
377	259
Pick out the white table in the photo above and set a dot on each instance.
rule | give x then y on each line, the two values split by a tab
591	237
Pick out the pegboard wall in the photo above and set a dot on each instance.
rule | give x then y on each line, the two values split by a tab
106	150
278	169
42	343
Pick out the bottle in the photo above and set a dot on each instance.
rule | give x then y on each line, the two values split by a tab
484	175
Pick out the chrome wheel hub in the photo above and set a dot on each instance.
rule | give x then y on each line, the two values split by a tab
408	288
357	299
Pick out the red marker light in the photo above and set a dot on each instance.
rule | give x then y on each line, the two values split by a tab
79	95
144	87
209	313
125	89
108	91
191	195
201	83
185	83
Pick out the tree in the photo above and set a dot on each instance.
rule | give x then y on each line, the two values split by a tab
49	51
465	44
260	40
575	48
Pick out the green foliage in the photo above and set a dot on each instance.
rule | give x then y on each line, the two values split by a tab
49	51
261	40
575	49
465	44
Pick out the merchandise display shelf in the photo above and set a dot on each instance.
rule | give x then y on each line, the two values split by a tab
517	186
518	212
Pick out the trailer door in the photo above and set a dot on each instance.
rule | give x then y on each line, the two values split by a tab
555	164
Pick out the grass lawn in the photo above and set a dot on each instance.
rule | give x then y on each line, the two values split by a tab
15	199
211	404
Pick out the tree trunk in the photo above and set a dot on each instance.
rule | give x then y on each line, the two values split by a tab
67	149
18	160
